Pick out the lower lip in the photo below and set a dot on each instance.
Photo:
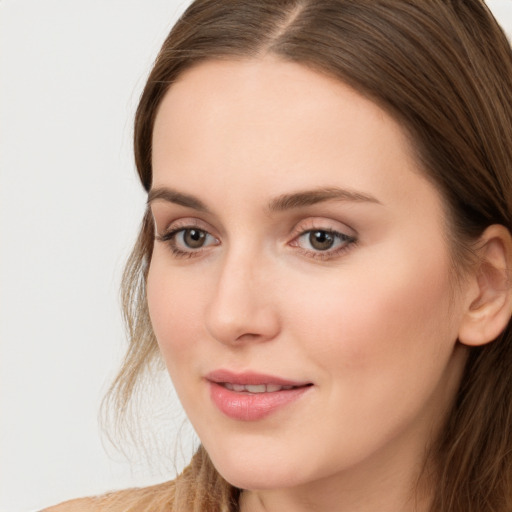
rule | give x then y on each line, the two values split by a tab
245	406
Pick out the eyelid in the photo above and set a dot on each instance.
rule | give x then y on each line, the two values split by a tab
342	231
184	223
173	230
323	224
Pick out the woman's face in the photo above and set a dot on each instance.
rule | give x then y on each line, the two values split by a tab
300	287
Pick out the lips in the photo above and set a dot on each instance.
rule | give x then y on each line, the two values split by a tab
248	378
255	388
252	396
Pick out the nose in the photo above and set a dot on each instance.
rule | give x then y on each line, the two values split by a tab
241	308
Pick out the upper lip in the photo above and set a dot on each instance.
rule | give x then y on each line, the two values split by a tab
251	378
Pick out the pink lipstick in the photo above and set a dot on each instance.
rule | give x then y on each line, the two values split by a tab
252	396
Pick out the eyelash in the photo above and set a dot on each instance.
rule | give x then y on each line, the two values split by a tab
170	239
347	242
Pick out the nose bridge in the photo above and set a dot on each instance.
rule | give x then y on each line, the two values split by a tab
240	308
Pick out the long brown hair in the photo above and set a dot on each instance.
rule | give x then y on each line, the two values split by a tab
443	69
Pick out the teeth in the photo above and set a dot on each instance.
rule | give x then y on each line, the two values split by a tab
255	388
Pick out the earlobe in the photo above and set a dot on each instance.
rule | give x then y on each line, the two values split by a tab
490	302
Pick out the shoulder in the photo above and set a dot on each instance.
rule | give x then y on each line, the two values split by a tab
153	498
79	505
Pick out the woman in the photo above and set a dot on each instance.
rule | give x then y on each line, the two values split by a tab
324	264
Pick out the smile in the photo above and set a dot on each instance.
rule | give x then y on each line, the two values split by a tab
252	396
255	388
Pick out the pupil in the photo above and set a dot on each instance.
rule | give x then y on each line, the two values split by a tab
321	240
194	238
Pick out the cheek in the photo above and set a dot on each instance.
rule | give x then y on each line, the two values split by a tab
382	338
376	318
175	309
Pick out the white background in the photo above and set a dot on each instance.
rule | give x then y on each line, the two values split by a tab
70	76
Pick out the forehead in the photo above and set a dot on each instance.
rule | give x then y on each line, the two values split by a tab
268	96
268	125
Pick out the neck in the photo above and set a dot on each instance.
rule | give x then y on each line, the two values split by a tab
389	492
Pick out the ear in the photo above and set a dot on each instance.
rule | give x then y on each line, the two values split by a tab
489	304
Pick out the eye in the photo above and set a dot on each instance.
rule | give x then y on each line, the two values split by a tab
188	241
192	238
320	240
323	243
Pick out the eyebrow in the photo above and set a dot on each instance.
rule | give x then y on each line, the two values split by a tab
311	197
173	196
278	204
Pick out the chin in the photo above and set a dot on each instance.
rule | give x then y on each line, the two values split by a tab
258	480
261	474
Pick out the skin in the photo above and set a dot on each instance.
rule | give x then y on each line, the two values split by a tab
372	324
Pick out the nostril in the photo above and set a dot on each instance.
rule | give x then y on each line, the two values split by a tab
248	336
